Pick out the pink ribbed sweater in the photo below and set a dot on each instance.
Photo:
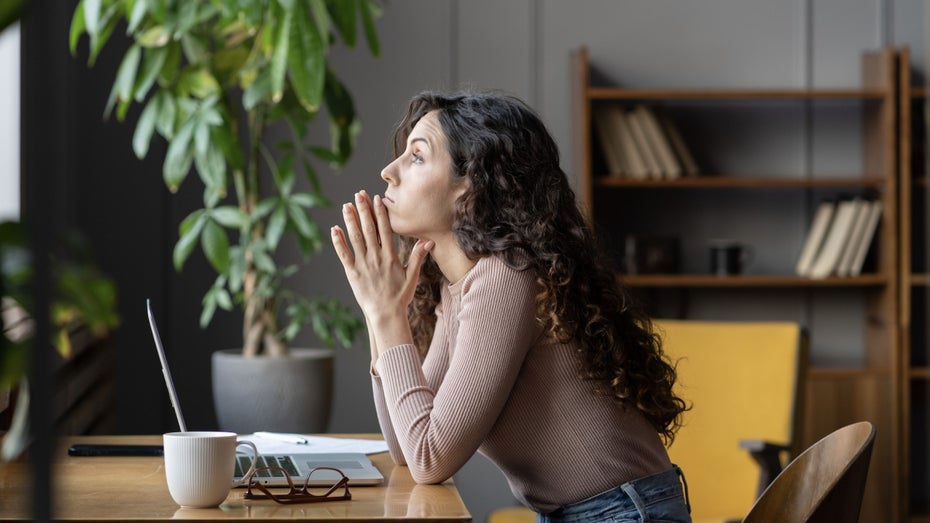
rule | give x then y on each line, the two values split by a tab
492	383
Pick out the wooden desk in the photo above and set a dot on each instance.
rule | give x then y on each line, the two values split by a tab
124	488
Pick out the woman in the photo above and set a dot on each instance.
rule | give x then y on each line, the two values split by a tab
498	327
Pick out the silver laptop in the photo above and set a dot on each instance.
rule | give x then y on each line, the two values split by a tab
355	465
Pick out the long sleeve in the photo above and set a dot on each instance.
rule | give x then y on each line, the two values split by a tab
384	420
443	410
492	382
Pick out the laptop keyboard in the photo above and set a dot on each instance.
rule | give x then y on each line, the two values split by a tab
285	462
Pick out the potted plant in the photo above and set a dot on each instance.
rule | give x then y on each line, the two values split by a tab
214	77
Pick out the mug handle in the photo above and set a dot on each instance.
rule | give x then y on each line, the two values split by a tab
239	443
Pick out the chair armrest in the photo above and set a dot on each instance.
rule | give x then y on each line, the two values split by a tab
768	456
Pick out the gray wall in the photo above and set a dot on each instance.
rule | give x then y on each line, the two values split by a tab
521	46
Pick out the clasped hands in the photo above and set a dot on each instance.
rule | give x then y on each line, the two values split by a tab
382	285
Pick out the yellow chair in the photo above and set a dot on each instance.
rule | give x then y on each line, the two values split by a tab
744	382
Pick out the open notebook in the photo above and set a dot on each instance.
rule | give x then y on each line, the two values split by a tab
356	465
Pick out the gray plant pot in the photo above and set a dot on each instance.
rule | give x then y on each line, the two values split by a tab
282	394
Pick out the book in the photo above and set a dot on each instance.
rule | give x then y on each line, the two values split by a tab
668	163
682	152
643	145
815	235
636	165
610	143
864	242
863	210
828	256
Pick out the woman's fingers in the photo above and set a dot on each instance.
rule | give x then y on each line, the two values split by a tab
384	226
342	249
417	255
353	229
367	221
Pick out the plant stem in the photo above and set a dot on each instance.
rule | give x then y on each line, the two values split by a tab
253	325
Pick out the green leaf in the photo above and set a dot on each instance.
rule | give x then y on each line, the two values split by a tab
223	299
152	63
195	49
136	15
164	121
305	227
209	308
370	11
179	157
338	100
264	208
227	64
321	16
126	75
198	82
276	225
122	109
228	142
211	167
306	62
230	216
78	26
257	91
310	174
343	12
279	56
99	39
264	262
172	68
92	16
215	246
189	233
145	128
237	265
309	201
157	36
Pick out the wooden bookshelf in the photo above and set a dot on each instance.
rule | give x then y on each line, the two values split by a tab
835	395
913	295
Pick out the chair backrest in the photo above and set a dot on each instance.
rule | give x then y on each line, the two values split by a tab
743	380
824	484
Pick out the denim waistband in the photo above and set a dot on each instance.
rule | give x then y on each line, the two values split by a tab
636	494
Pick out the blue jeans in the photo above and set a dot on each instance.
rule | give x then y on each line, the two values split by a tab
656	498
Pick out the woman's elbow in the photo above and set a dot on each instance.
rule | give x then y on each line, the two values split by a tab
426	476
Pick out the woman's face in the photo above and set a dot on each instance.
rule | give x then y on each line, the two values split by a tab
421	190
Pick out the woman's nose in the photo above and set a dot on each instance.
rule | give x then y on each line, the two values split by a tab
389	173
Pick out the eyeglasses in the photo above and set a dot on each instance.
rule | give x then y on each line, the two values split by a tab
296	495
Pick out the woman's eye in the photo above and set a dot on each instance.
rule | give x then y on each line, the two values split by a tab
417	158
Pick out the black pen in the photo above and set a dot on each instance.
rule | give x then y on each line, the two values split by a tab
91	449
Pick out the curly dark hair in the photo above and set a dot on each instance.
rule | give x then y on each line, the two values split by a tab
520	207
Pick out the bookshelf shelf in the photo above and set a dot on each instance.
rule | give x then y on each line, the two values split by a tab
920	279
717	182
920	373
613	93
847	372
747	280
613	133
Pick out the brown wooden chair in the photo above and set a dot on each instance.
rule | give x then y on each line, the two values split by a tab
824	484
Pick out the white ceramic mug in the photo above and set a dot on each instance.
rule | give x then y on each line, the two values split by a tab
199	466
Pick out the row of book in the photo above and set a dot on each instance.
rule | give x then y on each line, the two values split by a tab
642	144
839	238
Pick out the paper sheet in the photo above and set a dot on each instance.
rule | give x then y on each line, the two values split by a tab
315	444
